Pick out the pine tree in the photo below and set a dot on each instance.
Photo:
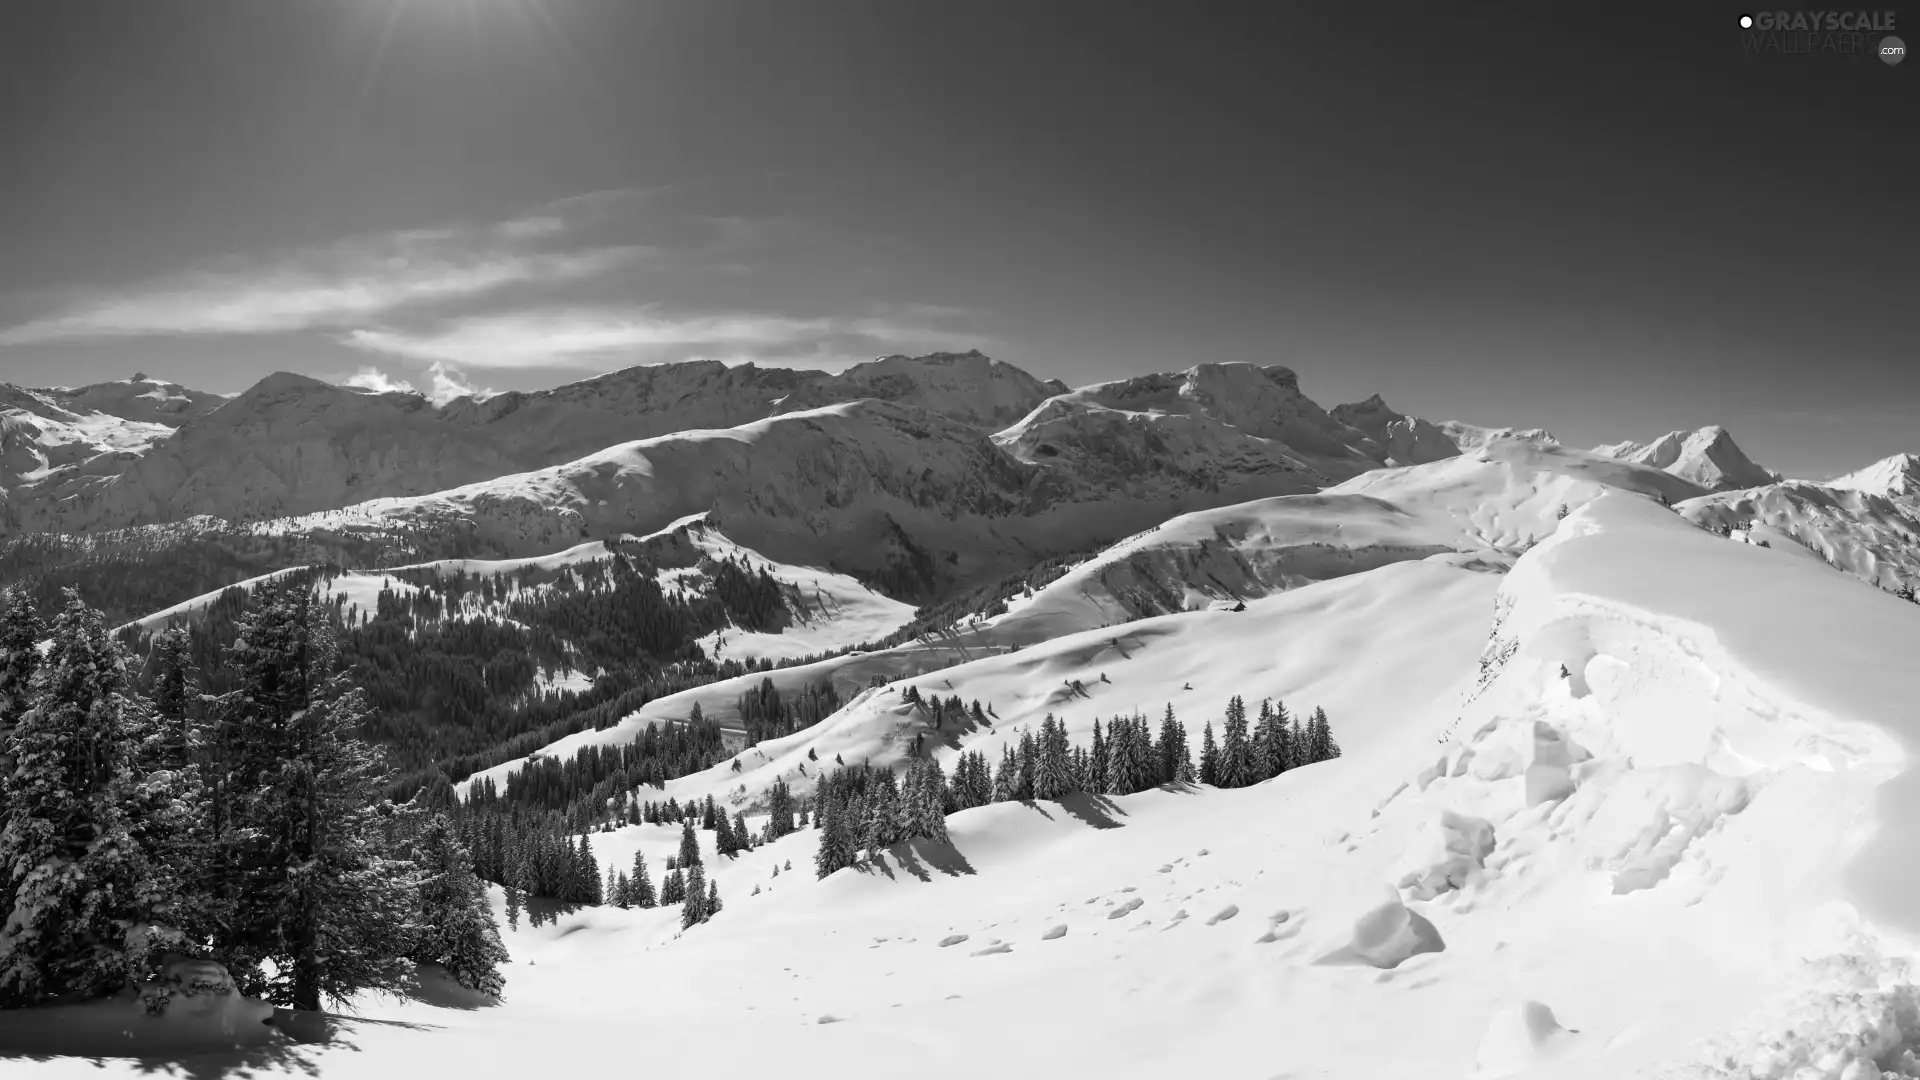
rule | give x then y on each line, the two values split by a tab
1050	780
82	905
622	891
1209	756
673	887
1235	760
642	885
303	859
837	844
21	632
693	907
1097	760
1175	762
455	925
512	889
1320	742
1278	742
1027	756
689	844
1006	782
713	898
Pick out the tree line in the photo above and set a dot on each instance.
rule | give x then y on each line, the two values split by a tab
859	808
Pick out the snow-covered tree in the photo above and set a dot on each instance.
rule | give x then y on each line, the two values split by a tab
85	900
693	906
642	885
455	927
303	859
689	844
1209	756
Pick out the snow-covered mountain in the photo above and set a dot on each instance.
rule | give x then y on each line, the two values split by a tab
1894	477
1866	522
294	445
1209	410
1708	457
58	443
1400	439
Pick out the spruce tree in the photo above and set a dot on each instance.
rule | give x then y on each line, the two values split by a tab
456	928
837	842
1209	756
303	861
21	632
1175	762
1233	768
673	887
1050	780
1027	756
83	906
642	885
1278	743
1097	760
1006	781
713	897
689	844
693	906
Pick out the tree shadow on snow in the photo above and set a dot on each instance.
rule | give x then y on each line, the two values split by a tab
942	857
194	1048
1096	810
541	910
430	984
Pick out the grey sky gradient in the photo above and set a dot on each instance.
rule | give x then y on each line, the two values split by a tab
1608	223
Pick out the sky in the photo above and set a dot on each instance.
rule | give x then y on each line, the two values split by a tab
1607	222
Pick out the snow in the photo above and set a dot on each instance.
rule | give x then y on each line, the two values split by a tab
1889	477
1707	457
1710	878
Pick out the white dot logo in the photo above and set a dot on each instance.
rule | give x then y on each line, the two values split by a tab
1746	22
1892	50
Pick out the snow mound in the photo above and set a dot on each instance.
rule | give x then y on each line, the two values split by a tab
1386	933
1518	1038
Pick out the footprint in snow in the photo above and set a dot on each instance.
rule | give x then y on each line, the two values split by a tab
1125	908
952	939
1224	914
1166	868
994	950
1055	933
828	1019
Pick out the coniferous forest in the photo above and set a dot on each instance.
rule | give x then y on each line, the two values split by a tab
148	817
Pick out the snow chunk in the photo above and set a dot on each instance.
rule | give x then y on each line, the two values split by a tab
1387	934
1520	1037
1448	851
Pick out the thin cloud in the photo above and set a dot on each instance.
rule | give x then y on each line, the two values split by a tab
353	282
334	286
593	337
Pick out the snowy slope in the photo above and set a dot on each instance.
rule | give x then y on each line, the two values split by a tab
1486	505
59	443
1894	477
1867	524
1681	858
827	611
1708	457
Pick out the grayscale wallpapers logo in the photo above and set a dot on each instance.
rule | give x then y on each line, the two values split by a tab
1823	33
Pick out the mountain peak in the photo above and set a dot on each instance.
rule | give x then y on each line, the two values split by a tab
1892	476
1707	456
